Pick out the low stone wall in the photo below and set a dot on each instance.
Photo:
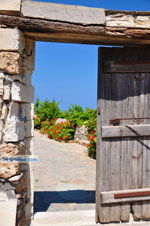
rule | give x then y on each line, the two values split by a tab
80	135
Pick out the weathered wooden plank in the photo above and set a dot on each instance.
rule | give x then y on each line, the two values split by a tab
105	164
103	211
99	145
146	178
126	131
130	195
136	155
112	207
114	168
145	173
126	66
66	13
124	155
141	106
98	164
118	100
146	152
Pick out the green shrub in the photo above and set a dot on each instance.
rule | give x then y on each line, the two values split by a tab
46	111
92	119
78	116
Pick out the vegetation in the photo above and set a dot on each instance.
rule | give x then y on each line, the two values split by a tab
92	144
46	114
46	111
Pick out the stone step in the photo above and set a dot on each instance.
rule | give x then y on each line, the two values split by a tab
65	218
74	218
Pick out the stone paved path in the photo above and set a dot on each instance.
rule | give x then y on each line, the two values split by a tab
64	176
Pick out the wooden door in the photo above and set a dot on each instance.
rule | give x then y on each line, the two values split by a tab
123	135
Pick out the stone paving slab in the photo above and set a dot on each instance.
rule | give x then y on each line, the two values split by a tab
69	218
74	218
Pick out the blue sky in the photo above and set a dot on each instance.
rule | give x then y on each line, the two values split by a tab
68	72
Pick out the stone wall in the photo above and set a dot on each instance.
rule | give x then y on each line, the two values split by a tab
80	135
16	121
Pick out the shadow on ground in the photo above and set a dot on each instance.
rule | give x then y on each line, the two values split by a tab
43	199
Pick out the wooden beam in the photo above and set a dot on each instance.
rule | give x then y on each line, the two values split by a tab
131	195
126	131
54	31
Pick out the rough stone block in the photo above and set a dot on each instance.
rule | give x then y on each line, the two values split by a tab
13	114
1	129
16	177
66	13
12	78
22	93
2	76
14	131
120	21
3	196
81	133
142	21
1	86
10	6
27	75
6	95
5	186
8	170
11	40
29	142
20	111
60	120
28	111
8	207
10	62
29	128
4	112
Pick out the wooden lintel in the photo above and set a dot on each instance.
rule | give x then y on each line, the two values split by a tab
54	31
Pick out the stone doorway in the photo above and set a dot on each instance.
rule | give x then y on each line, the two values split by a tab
56	190
23	22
